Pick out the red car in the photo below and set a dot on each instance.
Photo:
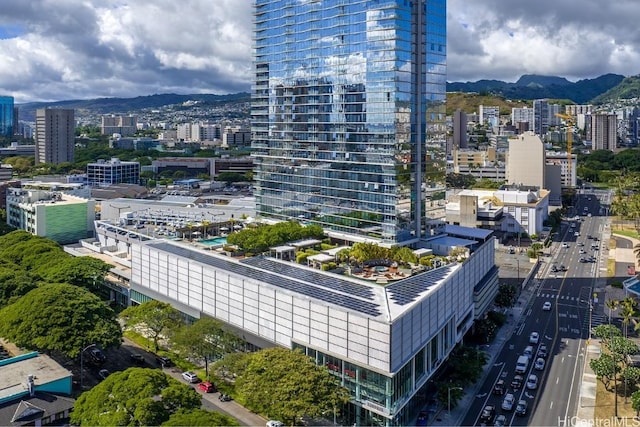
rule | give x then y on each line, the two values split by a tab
207	387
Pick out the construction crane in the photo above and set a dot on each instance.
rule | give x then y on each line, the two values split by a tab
569	121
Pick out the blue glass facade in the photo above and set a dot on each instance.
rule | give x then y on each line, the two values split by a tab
348	114
6	116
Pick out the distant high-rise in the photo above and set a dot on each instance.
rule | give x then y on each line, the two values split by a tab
460	136
6	116
55	135
348	108
604	131
540	117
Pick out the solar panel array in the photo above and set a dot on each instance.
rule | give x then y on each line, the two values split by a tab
408	290
341	300
331	283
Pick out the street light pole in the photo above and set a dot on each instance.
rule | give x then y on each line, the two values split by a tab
449	397
82	365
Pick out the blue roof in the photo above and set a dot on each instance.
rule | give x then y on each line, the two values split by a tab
452	241
187	181
632	285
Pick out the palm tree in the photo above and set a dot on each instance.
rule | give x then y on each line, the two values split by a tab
628	312
612	304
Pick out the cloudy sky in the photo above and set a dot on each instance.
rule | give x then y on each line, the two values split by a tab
78	49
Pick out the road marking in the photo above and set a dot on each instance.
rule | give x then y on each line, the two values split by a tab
551	405
557	380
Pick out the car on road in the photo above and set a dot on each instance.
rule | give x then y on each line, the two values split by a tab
542	350
501	421
224	398
207	387
534	337
539	365
488	414
528	351
516	383
274	423
499	388
563	268
136	358
546	306
582	259
423	418
554	268
521	408
507	402
580	244
532	382
581	251
190	377
163	361
103	374
565	245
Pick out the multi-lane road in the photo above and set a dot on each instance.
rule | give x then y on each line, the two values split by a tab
564	329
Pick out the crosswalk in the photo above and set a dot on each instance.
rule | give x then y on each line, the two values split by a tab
561	297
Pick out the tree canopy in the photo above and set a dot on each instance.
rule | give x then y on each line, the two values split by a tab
135	397
60	317
259	239
287	385
158	319
206	339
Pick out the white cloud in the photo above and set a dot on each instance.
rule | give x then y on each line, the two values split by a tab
65	49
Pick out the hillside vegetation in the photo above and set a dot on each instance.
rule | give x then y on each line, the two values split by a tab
470	102
627	89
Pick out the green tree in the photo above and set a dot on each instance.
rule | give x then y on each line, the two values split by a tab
60	317
287	385
612	305
606	332
605	368
157	319
199	417
206	339
635	402
81	271
135	397
506	295
14	283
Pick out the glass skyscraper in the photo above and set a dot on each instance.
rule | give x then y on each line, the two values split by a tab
348	109
6	116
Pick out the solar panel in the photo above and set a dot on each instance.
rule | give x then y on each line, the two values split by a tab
406	291
281	281
315	278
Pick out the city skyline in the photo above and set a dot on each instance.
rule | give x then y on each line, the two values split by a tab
82	50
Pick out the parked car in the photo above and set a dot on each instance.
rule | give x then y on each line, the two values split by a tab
274	423
207	387
507	402
539	365
103	373
163	361
190	377
224	398
521	409
96	356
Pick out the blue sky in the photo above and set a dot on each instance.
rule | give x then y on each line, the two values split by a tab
79	49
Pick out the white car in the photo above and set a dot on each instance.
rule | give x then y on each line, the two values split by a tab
539	365
565	245
534	337
507	403
546	306
532	382
576	234
274	423
190	377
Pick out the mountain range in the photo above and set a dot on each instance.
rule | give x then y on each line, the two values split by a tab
599	90
531	86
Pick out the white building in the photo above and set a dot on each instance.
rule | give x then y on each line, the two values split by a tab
526	161
561	159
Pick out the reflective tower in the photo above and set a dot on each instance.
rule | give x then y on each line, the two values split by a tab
348	114
6	116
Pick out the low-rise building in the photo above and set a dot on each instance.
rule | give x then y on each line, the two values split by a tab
115	171
52	214
34	391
